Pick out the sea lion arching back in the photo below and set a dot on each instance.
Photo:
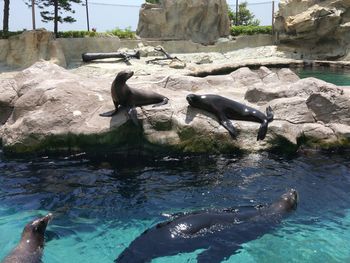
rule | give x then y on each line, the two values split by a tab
125	96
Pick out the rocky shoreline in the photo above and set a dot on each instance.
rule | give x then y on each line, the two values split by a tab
46	108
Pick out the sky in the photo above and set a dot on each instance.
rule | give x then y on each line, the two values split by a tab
110	14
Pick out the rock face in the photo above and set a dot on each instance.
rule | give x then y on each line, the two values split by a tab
202	21
50	108
321	28
31	46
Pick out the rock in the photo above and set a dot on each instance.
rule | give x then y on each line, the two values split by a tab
244	77
55	109
330	108
267	75
342	132
287	76
201	21
301	88
148	51
177	64
316	134
8	91
316	27
31	46
293	110
203	60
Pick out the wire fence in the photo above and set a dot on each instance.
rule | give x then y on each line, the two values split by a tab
263	11
106	14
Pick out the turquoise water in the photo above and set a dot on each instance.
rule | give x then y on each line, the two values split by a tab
100	206
339	77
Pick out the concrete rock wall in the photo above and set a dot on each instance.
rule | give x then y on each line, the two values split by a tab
320	28
31	46
202	21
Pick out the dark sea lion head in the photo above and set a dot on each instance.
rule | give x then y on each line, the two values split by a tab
33	232
124	75
193	99
196	101
287	202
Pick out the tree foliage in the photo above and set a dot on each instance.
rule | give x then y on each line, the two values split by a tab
54	10
153	1
245	17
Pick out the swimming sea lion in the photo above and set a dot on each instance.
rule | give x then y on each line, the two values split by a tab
31	245
225	109
125	96
221	233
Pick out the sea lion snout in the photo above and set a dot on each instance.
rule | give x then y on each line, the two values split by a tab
124	75
39	225
191	99
291	199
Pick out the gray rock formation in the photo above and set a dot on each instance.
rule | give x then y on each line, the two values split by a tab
51	108
319	28
202	21
31	46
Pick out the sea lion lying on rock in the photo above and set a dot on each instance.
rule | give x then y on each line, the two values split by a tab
225	110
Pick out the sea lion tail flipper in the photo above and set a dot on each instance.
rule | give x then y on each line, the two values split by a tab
228	126
165	101
263	130
132	113
109	113
269	114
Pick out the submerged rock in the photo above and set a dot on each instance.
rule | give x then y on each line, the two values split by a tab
51	108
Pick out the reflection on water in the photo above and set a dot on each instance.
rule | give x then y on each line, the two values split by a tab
101	206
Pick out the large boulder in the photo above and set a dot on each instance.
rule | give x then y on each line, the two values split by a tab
31	46
52	108
201	21
319	28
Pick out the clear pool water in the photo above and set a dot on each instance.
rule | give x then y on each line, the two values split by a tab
101	206
339	77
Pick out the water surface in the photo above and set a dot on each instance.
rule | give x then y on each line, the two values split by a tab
100	206
339	77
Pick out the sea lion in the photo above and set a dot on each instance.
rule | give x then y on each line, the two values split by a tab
219	232
125	96
31	245
225	109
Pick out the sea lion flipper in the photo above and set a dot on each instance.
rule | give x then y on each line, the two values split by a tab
228	126
165	101
109	113
132	113
217	254
262	130
269	114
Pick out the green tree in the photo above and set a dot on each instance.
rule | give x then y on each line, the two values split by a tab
56	15
245	17
5	25
153	1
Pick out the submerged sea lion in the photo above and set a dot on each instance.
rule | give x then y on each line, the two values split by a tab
125	96
31	245
219	232
225	109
